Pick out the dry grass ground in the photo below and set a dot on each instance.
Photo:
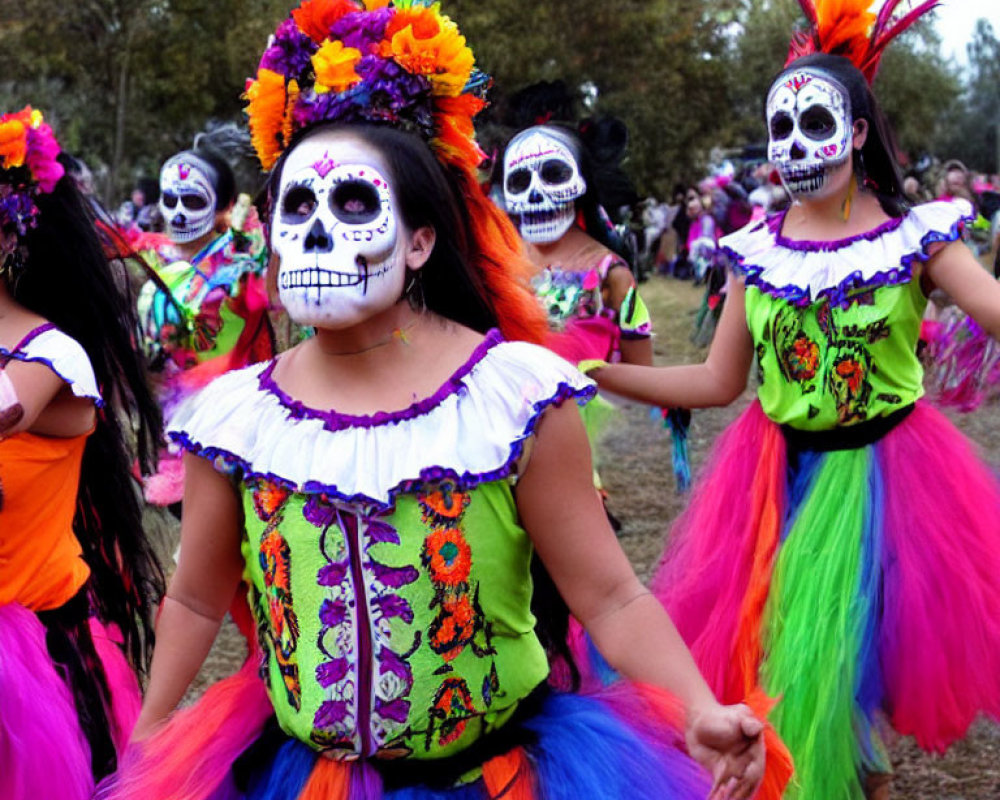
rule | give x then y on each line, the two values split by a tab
636	472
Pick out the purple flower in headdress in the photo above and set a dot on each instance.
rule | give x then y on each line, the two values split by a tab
289	52
327	107
18	211
362	30
395	94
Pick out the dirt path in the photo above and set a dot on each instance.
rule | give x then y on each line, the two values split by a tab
636	472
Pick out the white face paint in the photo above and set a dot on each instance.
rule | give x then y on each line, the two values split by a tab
335	230
809	124
542	181
187	199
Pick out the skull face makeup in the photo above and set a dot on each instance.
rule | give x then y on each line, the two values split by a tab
810	130
542	181
335	230
187	197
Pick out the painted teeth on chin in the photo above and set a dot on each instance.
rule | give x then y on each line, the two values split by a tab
324	278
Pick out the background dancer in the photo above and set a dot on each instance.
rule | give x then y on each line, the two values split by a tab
77	579
204	310
851	580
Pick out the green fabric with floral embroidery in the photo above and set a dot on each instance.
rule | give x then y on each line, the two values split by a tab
824	365
404	630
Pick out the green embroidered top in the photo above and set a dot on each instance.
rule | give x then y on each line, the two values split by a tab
389	575
835	324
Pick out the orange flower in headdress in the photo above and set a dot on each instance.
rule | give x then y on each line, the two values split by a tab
13	143
315	17
334	66
424	42
266	110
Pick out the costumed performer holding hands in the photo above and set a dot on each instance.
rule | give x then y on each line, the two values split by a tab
383	486
851	579
78	581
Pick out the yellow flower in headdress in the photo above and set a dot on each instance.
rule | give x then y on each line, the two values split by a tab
13	143
334	67
372	5
424	42
266	111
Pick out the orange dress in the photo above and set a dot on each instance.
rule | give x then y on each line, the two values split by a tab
41	563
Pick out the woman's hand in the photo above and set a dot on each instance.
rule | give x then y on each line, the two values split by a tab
728	741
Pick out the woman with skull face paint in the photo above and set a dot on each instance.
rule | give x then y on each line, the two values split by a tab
205	311
594	310
78	581
382	486
857	583
587	288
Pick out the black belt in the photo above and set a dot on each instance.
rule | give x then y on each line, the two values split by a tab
435	773
847	437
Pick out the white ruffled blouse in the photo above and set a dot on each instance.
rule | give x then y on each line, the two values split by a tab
471	430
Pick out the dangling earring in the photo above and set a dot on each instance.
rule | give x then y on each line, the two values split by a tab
845	209
413	291
12	268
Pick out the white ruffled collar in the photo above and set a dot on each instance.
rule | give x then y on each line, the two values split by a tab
803	272
470	431
62	354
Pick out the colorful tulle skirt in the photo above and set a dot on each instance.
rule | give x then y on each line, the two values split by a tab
44	747
620	743
859	587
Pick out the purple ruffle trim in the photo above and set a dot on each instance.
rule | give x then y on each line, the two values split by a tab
232	463
334	421
841	295
777	222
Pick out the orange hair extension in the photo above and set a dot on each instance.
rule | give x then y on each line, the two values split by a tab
848	28
498	257
330	780
508	776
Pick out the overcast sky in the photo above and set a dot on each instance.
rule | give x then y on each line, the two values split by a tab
955	20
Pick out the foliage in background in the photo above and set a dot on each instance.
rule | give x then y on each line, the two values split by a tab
128	82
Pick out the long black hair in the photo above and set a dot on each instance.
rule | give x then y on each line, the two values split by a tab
68	278
876	164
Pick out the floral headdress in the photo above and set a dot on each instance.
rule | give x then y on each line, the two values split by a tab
397	62
851	29
28	168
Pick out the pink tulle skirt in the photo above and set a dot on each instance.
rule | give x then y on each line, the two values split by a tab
43	751
853	586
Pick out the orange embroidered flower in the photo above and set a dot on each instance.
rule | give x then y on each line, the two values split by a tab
334	66
274	558
446	502
266	111
315	17
448	556
267	499
424	42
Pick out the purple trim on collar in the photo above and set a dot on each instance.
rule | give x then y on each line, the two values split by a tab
811	246
843	293
30	336
226	461
334	421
